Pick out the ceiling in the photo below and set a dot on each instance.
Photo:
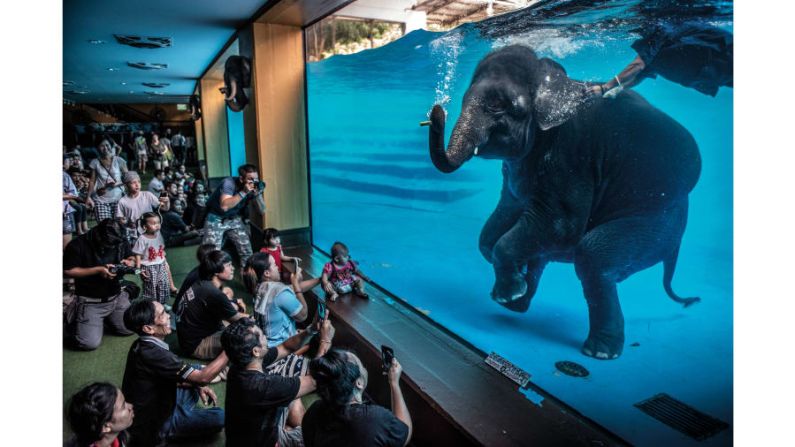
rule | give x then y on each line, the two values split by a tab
199	29
95	65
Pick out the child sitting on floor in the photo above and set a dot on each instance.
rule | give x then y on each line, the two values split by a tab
150	257
342	275
273	246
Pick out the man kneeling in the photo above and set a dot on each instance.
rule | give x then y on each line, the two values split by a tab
256	401
163	389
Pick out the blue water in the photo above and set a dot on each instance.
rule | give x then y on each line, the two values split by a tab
415	230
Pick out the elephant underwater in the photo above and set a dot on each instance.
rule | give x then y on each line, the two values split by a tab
600	183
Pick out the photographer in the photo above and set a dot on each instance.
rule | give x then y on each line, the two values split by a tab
94	260
341	417
226	209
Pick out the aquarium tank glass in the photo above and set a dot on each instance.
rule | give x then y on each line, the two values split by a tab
415	230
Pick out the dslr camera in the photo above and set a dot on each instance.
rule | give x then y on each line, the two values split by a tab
122	269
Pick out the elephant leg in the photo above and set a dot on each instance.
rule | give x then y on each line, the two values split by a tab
501	220
535	267
607	255
518	262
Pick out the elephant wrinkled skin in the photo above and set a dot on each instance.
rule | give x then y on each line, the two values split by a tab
599	183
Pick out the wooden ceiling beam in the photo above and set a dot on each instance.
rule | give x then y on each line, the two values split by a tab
466	14
432	5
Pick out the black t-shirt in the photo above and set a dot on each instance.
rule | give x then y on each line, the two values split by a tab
150	384
189	280
361	425
80	253
200	314
172	225
253	400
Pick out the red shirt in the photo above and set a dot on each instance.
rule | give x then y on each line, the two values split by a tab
116	443
276	253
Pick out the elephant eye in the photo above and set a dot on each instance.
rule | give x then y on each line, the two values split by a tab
496	105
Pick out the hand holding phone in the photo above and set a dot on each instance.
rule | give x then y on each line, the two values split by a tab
387	354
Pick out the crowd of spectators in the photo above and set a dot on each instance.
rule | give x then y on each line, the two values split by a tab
261	353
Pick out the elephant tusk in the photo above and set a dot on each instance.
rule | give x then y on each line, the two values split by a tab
476	150
425	123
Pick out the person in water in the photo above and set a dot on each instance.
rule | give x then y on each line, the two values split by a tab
691	54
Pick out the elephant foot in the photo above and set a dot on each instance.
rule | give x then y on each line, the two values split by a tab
521	305
603	346
510	290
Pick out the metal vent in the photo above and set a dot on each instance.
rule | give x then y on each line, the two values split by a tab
155	84
681	416
147	65
143	42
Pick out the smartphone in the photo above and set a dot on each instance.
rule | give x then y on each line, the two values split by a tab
387	354
321	310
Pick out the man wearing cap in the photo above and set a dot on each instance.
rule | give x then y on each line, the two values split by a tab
136	202
101	301
227	207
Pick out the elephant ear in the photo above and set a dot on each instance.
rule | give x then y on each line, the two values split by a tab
557	97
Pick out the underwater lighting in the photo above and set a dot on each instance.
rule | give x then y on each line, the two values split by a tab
96	41
112	69
123	83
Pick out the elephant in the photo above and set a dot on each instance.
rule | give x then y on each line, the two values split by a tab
237	76
600	183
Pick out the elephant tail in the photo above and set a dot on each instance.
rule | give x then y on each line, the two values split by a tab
669	266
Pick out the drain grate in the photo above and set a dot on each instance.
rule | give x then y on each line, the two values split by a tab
681	416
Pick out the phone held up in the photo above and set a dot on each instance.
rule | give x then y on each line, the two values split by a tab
387	354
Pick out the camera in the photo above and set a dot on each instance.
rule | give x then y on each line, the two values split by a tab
121	269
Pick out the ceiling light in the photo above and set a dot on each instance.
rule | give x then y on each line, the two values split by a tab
143	42
155	84
147	65
96	41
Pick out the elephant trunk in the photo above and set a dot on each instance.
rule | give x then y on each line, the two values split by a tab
463	141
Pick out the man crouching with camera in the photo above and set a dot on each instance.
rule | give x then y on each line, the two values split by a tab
97	261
